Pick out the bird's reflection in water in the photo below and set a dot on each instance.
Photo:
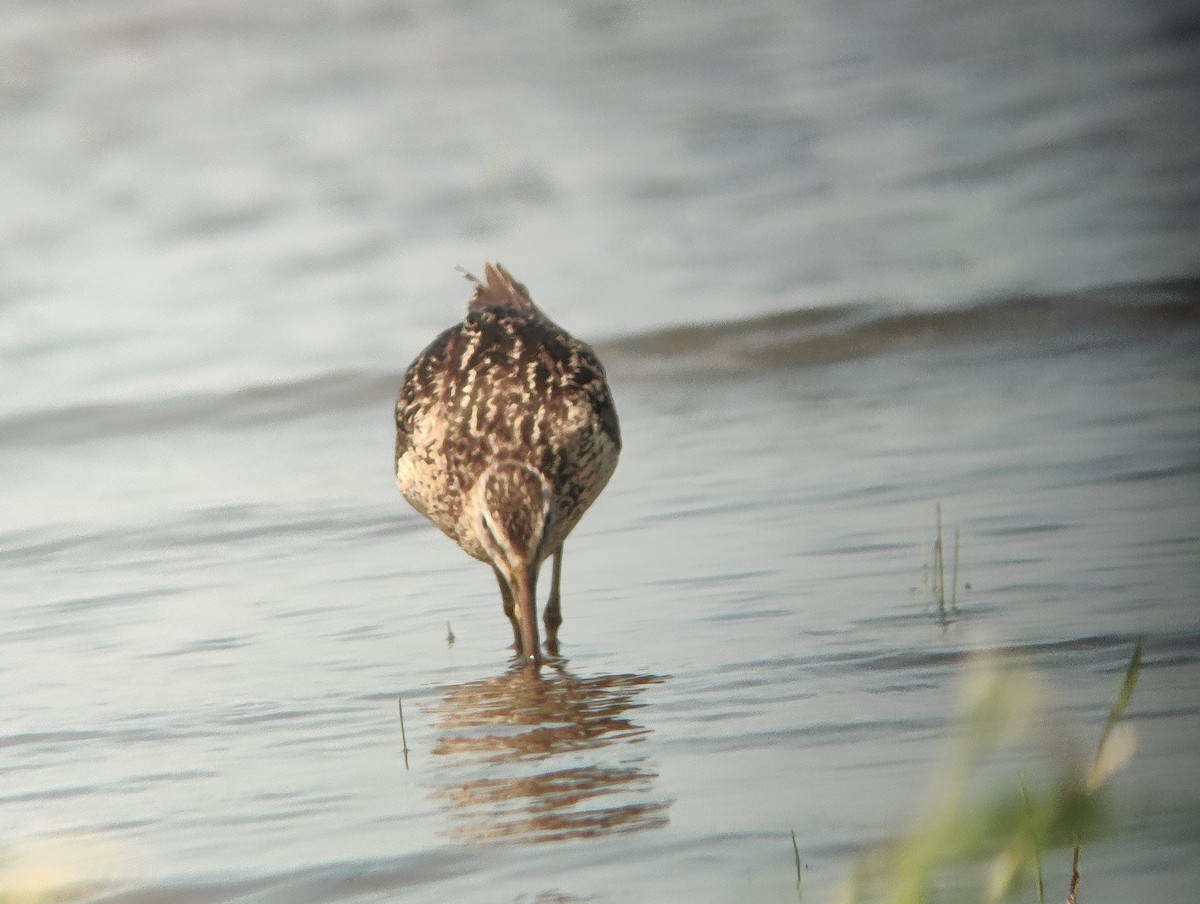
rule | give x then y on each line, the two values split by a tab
545	756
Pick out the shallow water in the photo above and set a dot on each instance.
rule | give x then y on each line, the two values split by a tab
842	265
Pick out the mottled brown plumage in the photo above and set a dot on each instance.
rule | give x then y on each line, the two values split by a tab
505	435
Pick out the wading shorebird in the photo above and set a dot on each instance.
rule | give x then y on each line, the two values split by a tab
505	434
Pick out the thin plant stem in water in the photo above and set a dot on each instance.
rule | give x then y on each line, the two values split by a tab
796	851
935	571
403	734
954	577
1073	891
939	563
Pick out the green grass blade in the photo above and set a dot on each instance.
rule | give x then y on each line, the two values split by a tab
1037	848
1125	694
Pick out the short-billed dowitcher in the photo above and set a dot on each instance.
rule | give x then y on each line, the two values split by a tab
505	434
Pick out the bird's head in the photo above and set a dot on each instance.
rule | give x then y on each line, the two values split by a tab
515	513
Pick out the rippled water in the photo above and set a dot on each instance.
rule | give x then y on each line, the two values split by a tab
844	262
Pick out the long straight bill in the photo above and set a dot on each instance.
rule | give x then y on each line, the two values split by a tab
524	588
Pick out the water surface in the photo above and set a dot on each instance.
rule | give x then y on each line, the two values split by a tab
844	263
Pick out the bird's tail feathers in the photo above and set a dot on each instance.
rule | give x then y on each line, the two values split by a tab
498	289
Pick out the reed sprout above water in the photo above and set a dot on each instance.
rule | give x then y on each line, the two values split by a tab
937	591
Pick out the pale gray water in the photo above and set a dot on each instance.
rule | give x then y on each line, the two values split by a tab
227	229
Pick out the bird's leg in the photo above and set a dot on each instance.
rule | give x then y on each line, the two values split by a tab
553	614
510	607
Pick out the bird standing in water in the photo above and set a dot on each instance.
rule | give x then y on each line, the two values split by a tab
505	434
